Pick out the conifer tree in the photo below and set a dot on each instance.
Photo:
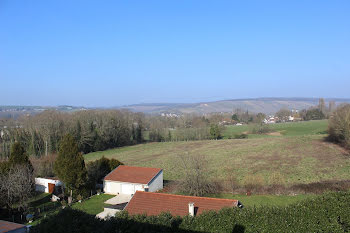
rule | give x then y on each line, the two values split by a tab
18	155
70	166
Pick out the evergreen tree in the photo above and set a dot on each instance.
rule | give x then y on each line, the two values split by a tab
169	136
215	131
133	133
139	137
70	166
18	155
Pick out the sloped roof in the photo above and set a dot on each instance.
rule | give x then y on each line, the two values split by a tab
155	203
9	226
139	175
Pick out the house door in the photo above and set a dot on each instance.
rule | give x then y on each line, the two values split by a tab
51	187
128	189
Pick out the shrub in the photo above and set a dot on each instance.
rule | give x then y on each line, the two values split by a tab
261	129
276	178
253	182
215	131
339	126
98	169
241	136
314	114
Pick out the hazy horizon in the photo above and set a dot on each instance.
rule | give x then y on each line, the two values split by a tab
105	54
189	103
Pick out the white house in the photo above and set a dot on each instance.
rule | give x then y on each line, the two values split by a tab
47	185
128	180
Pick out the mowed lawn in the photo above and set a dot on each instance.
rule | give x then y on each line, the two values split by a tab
302	156
93	205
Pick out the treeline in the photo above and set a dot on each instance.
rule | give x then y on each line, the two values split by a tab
92	130
96	130
318	112
326	213
193	127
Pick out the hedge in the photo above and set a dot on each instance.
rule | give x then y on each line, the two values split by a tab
326	213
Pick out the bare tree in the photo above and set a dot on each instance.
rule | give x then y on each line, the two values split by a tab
331	106
283	114
231	179
17	186
196	180
322	106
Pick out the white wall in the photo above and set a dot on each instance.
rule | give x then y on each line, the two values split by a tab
156	184
115	187
111	187
42	184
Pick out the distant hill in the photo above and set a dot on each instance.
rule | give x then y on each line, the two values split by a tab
264	105
10	111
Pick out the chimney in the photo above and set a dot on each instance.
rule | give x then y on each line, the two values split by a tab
191	208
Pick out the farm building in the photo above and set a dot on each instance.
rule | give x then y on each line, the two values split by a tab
47	185
10	227
178	205
128	180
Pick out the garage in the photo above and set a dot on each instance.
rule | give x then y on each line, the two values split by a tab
128	180
128	189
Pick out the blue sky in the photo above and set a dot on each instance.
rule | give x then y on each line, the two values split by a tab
110	53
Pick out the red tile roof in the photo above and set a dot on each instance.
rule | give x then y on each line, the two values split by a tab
9	226
155	203
139	175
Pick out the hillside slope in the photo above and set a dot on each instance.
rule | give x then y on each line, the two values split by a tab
264	105
302	159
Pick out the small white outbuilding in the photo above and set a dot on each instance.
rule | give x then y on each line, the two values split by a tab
128	180
47	185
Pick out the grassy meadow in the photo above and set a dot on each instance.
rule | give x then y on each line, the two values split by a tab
298	155
301	128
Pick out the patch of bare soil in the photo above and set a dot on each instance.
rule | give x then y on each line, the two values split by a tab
274	134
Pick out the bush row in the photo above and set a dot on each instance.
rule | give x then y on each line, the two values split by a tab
326	213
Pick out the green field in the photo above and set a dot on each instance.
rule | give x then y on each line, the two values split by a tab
299	155
285	129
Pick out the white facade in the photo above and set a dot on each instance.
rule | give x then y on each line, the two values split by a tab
42	184
118	187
